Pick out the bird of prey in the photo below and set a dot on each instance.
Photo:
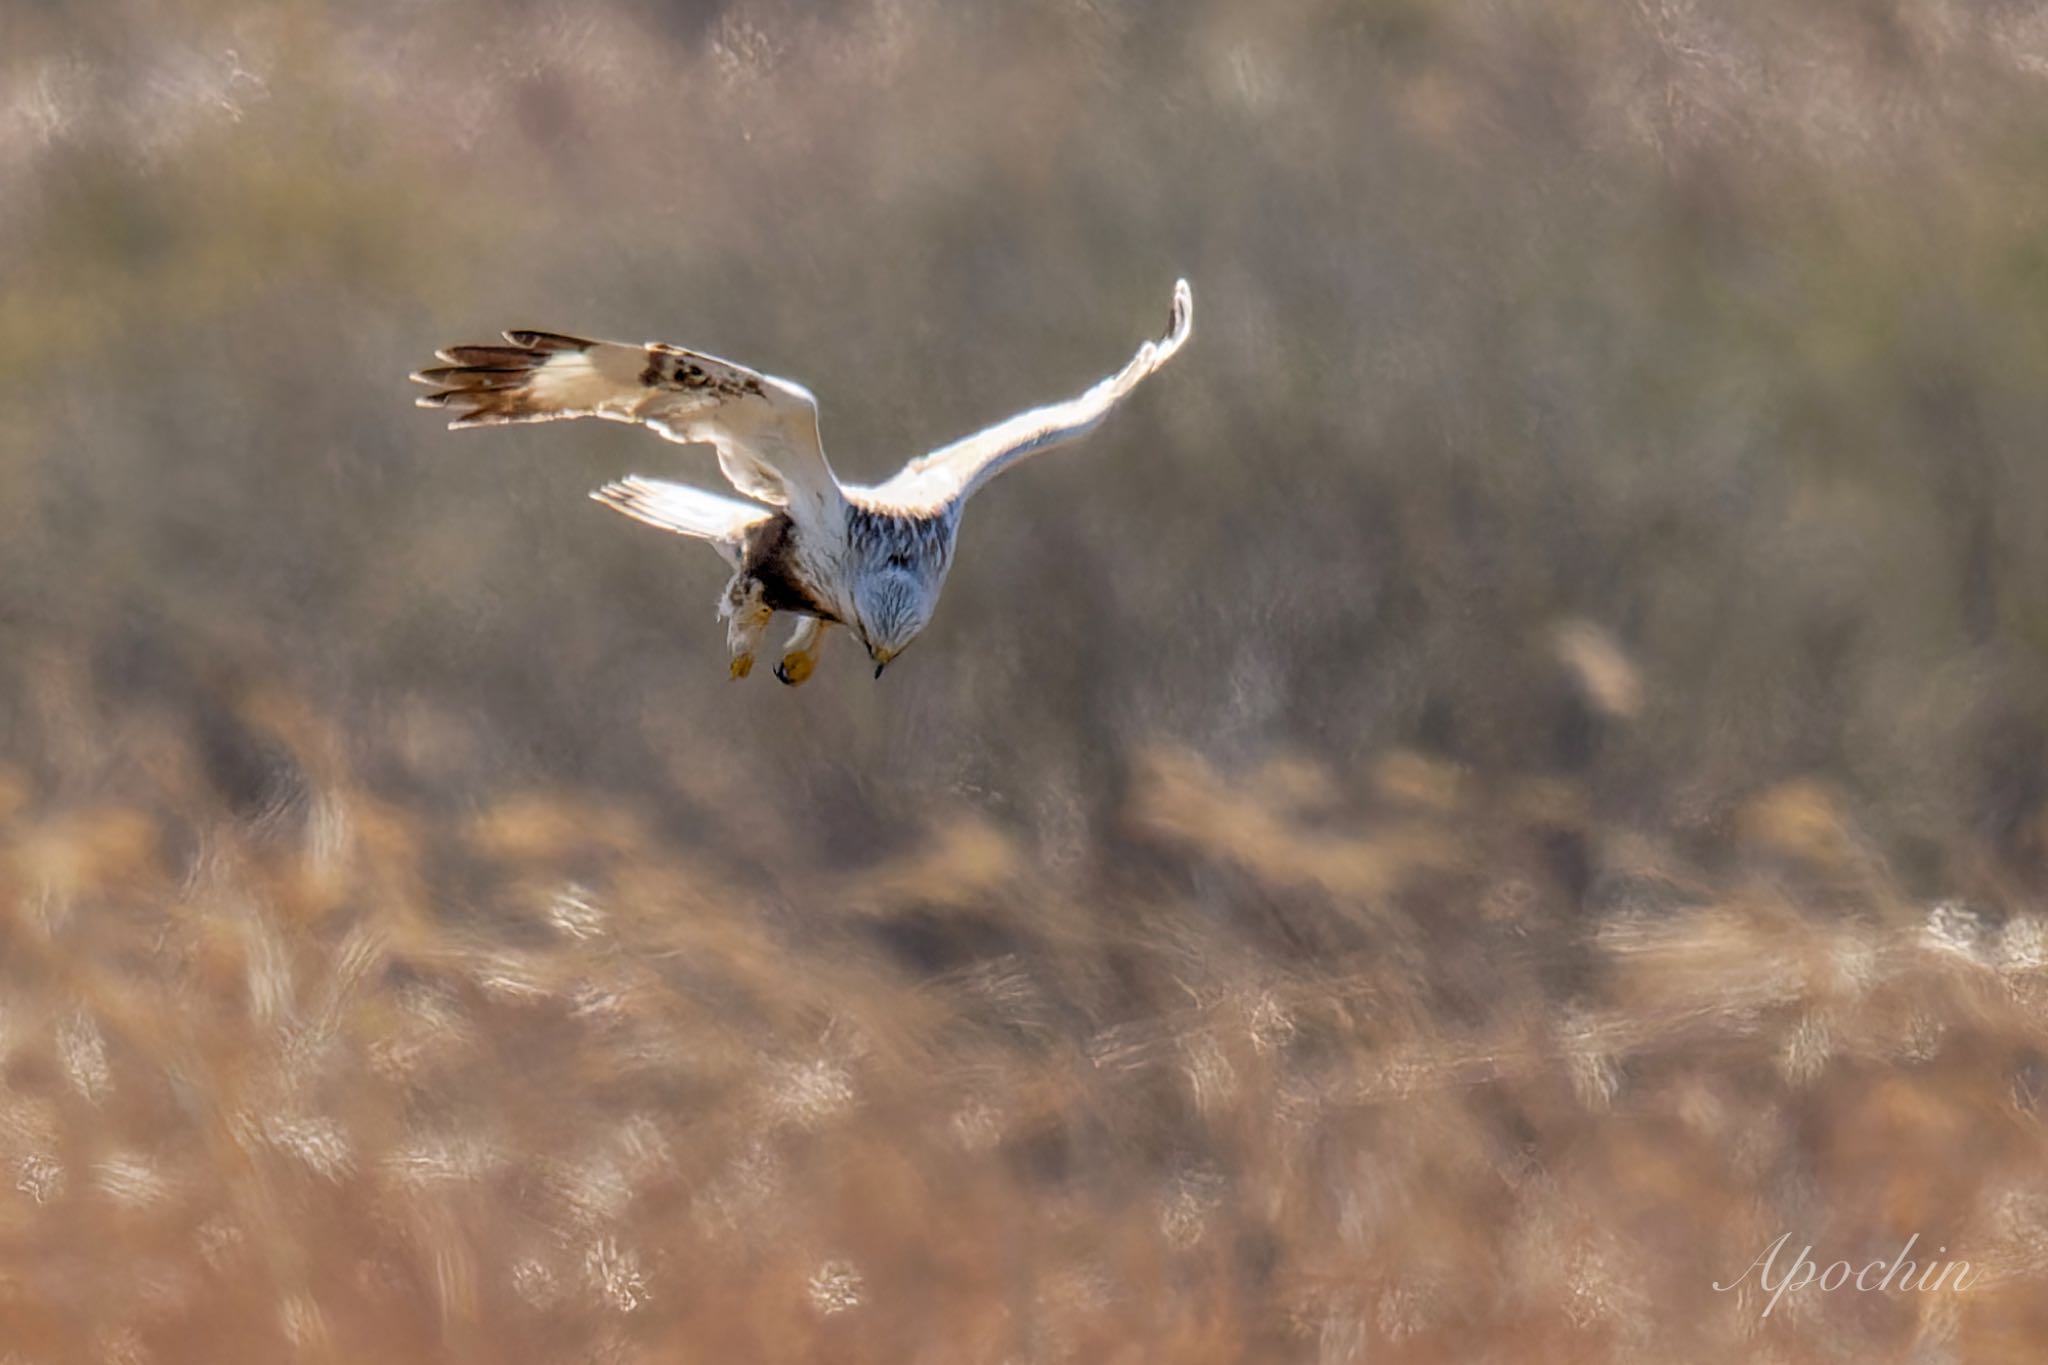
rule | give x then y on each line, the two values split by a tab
870	559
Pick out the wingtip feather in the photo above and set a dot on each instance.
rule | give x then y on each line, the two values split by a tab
532	340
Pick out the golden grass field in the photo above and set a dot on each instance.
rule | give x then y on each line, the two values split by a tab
1321	1065
1511	777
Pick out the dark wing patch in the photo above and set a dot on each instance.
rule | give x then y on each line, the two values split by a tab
770	558
675	368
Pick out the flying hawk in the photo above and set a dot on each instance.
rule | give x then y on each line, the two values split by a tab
871	559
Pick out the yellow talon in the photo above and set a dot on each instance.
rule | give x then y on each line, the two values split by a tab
795	667
742	664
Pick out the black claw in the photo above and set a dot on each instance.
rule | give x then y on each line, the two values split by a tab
782	676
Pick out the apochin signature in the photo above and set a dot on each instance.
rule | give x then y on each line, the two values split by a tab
1899	1273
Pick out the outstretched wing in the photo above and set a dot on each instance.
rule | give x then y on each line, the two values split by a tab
686	511
764	429
955	471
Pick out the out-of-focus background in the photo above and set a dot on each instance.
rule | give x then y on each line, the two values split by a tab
1509	777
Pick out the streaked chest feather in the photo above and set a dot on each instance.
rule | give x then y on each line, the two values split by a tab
877	540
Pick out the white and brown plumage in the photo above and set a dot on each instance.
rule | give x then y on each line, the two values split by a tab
871	559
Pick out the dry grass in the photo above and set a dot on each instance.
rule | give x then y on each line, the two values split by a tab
1318	1066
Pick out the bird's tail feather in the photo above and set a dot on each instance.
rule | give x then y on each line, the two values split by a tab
686	511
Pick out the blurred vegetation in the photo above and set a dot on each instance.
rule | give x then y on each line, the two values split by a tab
1513	774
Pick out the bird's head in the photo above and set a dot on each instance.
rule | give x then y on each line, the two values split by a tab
890	607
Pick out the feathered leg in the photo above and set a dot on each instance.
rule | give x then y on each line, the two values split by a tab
746	616
800	655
